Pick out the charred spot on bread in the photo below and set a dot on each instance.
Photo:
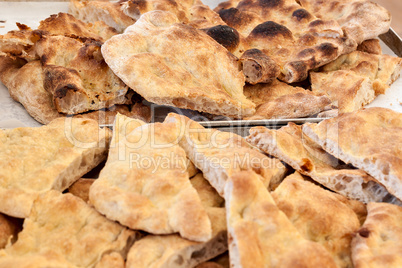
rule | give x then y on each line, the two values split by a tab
301	14
62	92
225	35
364	232
270	29
327	49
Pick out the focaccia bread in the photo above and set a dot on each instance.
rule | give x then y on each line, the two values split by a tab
377	131
289	145
169	63
219	155
319	215
260	235
378	242
76	75
145	185
174	251
45	158
347	90
63	231
382	69
289	34
360	19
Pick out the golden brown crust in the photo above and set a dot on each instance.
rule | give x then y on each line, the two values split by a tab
258	67
371	46
45	158
67	25
207	79
9	229
347	90
63	227
368	128
80	188
260	234
319	215
144	184
289	145
378	242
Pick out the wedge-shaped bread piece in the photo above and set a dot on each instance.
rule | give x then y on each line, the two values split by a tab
36	160
378	134
76	75
208	195
381	69
347	90
260	235
174	64
156	251
106	11
289	145
219	154
145	185
302	104
378	242
64	228
360	19
289	34
19	42
319	215
68	25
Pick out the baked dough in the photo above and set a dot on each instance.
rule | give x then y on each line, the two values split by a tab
378	242
289	145
376	131
169	63
360	19
144	184
9	229
220	155
347	90
260	235
63	231
289	34
80	188
319	215
36	160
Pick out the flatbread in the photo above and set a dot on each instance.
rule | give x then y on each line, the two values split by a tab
46	158
289	34
76	75
208	195
174	251
219	154
377	131
67	25
144	184
382	70
258	67
378	242
347	91
302	104
319	215
371	46
63	231
289	145
169	63
260	235
9	229
360	19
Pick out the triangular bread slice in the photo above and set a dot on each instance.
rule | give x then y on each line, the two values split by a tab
379	241
289	145
260	235
170	63
63	231
377	131
145	185
219	154
319	215
347	90
36	160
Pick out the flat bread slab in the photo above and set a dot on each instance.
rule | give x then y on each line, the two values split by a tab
145	185
37	160
369	139
378	242
169	63
63	231
260	235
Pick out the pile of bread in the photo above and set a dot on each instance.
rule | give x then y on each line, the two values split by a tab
176	194
246	59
